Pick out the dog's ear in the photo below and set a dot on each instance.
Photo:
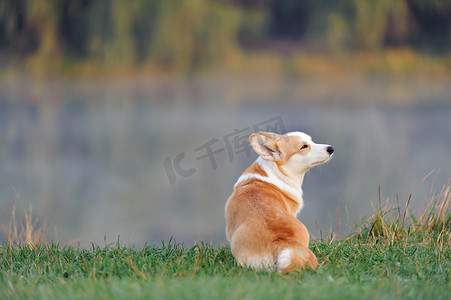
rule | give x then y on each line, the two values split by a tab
270	135
265	147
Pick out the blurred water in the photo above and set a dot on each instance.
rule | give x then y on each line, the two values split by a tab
89	155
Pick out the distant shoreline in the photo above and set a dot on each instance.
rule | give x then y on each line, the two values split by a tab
394	63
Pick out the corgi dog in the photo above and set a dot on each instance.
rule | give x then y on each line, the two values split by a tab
261	223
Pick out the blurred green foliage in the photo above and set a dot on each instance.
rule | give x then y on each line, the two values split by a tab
187	35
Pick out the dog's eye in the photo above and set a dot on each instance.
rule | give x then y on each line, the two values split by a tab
304	146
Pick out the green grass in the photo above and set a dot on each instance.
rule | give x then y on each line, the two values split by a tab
387	258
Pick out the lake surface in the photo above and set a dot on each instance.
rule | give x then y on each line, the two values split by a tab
106	158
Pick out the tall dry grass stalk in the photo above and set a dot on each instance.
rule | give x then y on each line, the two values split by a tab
24	230
391	224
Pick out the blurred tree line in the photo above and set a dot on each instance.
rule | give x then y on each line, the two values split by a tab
186	35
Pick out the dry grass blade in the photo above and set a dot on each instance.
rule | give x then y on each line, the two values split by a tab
23	229
434	223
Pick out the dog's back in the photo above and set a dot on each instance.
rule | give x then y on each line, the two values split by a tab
262	229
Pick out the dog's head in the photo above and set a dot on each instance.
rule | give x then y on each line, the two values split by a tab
294	153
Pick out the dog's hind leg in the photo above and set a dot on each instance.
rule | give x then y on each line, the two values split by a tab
249	251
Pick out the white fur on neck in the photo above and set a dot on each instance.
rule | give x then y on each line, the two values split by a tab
278	179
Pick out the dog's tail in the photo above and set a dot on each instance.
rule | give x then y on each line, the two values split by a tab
299	257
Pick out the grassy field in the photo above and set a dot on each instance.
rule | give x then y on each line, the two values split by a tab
392	255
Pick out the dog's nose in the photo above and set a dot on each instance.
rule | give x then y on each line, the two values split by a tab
330	149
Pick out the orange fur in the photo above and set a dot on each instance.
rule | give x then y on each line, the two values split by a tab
261	223
255	169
